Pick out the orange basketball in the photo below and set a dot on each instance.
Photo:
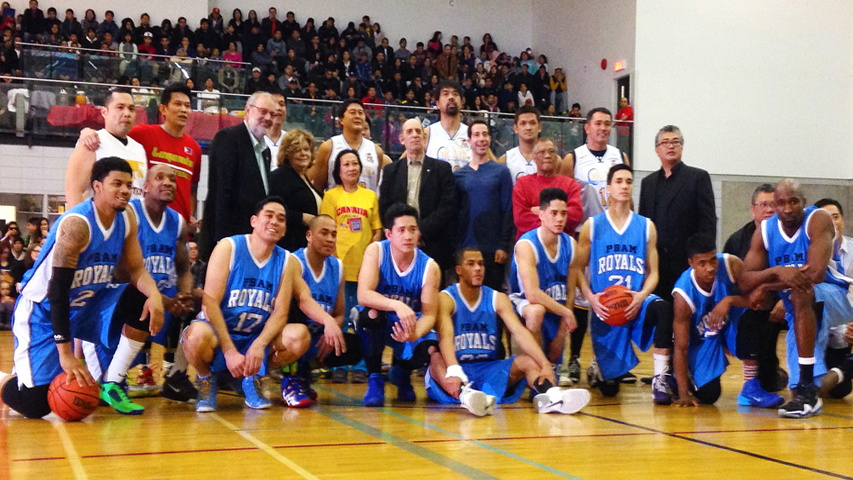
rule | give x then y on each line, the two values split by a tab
617	299
72	402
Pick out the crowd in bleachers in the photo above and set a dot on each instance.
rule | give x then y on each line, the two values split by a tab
248	54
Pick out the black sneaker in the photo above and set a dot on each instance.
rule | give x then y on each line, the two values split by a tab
628	378
575	370
179	388
805	403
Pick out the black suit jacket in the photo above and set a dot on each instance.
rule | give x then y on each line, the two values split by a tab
689	207
298	199
234	186
437	202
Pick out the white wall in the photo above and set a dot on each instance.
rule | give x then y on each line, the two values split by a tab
758	87
577	35
509	21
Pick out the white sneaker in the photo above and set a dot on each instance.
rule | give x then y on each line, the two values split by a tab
557	400
565	381
477	402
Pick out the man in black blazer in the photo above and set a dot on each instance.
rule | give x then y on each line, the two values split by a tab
238	173
434	196
680	200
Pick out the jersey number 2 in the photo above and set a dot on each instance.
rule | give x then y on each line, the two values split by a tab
620	280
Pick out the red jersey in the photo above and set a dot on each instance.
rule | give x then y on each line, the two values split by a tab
183	154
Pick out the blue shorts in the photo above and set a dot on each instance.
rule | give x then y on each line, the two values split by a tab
551	324
489	377
242	343
706	358
612	345
36	356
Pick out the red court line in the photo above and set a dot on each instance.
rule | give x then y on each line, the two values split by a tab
38	459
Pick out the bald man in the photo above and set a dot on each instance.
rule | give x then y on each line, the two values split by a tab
427	185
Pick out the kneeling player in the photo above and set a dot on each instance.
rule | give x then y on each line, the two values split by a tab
468	336
708	322
324	276
249	284
621	249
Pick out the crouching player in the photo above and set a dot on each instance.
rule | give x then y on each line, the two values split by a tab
398	292
467	371
324	276
247	293
708	322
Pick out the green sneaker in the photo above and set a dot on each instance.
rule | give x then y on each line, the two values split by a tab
115	396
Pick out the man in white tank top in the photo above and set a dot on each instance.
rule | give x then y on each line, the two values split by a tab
370	154
591	162
119	114
527	126
447	139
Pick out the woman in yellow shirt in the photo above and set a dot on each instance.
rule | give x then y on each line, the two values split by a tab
355	210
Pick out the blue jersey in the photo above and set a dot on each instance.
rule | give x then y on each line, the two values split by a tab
618	257
403	286
553	272
325	287
252	287
95	265
158	246
475	329
793	251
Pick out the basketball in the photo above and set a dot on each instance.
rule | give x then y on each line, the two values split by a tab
617	299
72	402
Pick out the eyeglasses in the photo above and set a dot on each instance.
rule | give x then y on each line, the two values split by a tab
670	143
263	111
764	204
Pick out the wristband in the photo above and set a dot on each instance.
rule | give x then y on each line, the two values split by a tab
456	371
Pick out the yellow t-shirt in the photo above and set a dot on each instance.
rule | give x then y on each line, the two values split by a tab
356	214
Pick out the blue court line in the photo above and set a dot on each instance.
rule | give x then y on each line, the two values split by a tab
404	444
505	453
722	447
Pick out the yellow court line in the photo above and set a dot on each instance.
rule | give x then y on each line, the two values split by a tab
266	448
70	451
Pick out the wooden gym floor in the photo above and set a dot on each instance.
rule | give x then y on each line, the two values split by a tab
623	437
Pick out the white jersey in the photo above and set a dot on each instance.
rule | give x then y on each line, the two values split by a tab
273	146
593	170
133	152
518	165
453	150
369	178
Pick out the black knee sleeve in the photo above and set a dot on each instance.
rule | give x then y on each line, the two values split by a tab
582	318
129	309
660	313
353	355
709	393
420	356
365	322
29	402
749	332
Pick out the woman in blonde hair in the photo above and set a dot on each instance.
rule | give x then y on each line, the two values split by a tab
289	181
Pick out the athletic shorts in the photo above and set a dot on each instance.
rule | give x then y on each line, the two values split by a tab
612	345
242	343
489	377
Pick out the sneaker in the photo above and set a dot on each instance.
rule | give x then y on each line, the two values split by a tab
254	399
375	395
476	402
293	394
206	401
805	403
179	388
775	381
276	374
114	395
628	378
593	375
339	375
574	370
358	376
557	400
752	395
306	387
564	381
403	381
661	393
144	386
829	381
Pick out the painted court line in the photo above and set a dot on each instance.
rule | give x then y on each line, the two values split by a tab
722	447
70	451
480	444
266	448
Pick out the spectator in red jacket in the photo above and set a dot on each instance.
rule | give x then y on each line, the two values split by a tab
525	194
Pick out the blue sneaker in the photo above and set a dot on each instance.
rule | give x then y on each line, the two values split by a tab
375	396
253	398
206	400
752	395
403	381
292	392
661	393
